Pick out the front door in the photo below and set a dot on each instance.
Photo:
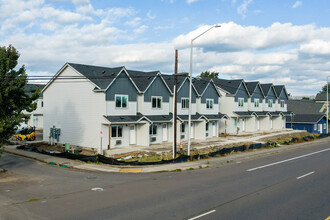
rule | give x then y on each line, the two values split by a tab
214	127
271	123
243	124
132	134
164	132
320	128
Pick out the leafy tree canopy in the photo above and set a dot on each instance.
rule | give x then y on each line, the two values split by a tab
209	74
324	88
13	98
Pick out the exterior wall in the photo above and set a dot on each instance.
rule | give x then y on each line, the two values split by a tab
251	124
200	130
36	117
277	123
184	93
112	110
79	114
140	105
142	134
222	127
227	104
309	127
121	86
256	95
282	97
265	123
157	88
241	93
270	95
158	136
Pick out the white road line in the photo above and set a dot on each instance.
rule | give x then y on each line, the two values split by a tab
283	161
206	213
305	175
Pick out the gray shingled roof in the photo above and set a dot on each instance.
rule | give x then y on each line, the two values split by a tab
230	86
142	79
201	83
251	86
31	88
244	114
304	107
266	88
306	118
160	118
322	96
278	89
169	79
124	118
193	117
216	117
100	76
262	114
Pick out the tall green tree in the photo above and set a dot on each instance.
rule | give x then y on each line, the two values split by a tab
324	88
209	74
13	98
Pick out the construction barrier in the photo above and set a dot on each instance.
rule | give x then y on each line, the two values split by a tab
179	159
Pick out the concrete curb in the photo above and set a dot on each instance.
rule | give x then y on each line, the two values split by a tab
160	168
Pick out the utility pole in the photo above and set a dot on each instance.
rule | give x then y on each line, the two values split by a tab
175	102
175	107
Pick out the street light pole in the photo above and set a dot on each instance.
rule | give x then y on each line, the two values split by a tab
190	86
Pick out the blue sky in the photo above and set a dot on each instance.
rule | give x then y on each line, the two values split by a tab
279	41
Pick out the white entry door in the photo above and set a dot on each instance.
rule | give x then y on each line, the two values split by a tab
320	128
271	123
214	127
164	132
132	134
243	124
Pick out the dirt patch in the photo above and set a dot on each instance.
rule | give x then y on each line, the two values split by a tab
280	139
60	148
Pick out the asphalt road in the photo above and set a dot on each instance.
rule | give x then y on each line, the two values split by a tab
290	185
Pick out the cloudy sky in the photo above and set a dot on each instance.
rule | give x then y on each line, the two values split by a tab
279	41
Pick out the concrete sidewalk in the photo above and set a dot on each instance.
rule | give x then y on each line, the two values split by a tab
160	168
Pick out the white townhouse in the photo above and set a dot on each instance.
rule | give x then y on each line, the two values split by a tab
281	105
234	103
36	116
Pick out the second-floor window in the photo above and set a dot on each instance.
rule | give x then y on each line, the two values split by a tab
116	131
240	102
121	101
270	103
209	103
156	102
185	103
256	103
282	103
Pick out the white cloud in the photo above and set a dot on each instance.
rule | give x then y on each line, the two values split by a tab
318	47
297	4
134	22
242	9
141	29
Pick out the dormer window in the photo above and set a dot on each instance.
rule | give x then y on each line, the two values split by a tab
282	103
121	101
256	103
240	102
184	103
270	103
209	103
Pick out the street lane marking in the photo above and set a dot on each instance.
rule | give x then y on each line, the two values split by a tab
283	161
305	175
206	213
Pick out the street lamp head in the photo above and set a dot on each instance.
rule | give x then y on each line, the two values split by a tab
217	25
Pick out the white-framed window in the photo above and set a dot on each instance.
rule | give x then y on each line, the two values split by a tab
184	103
315	127
270	103
153	129
256	103
240	102
116	131
209	103
207	126
156	101
282	103
42	104
121	101
183	128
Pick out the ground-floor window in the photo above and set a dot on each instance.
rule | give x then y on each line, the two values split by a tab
153	129
183	128
207	126
116	131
